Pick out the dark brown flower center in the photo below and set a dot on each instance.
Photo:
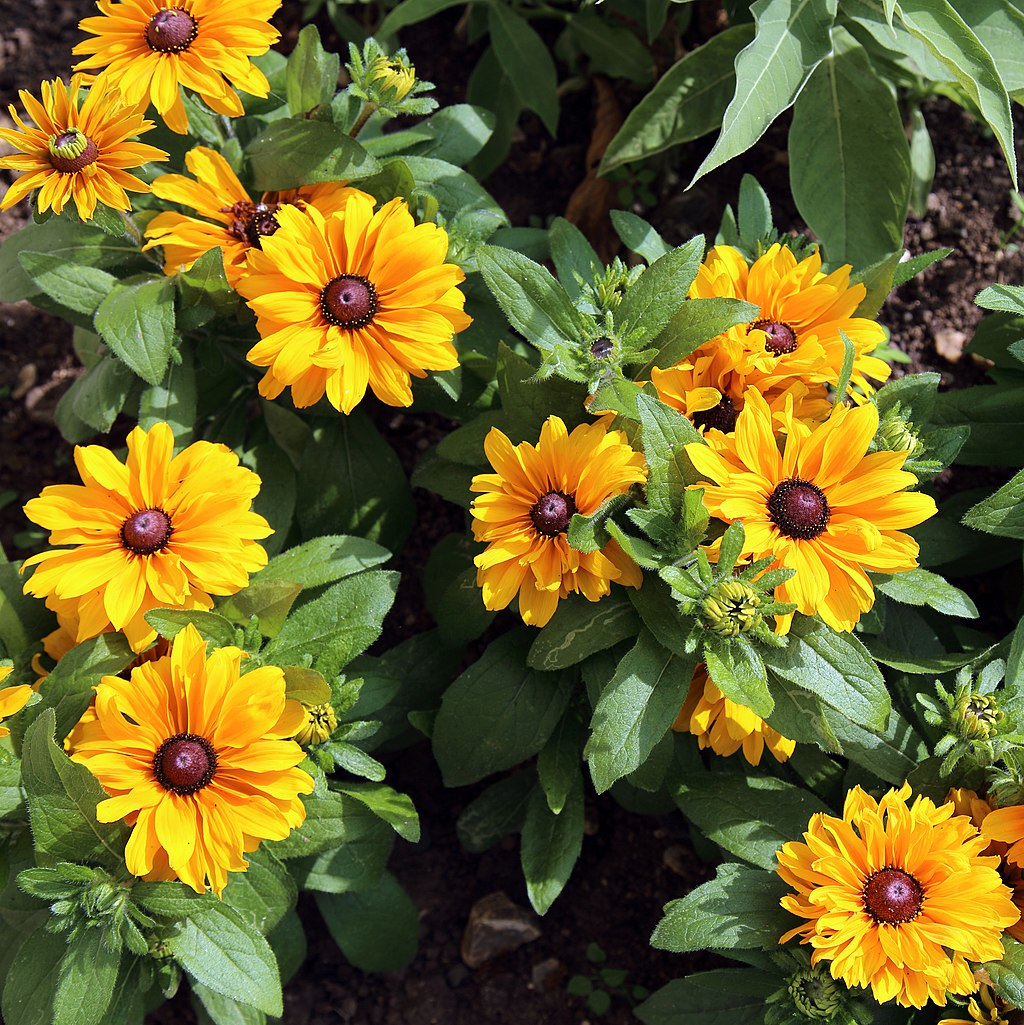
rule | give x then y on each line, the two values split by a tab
781	337
721	417
252	221
146	532
349	301
185	763
71	150
894	896
552	513
171	31
799	509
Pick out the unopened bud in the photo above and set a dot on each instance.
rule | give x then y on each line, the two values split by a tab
395	76
319	723
816	995
730	608
976	716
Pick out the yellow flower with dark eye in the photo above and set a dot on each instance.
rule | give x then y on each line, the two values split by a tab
229	218
357	299
726	726
195	758
897	897
824	506
524	509
150	48
158	531
78	149
12	699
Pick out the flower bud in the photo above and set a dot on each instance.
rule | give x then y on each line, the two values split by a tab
393	75
730	608
976	716
318	724
896	434
816	995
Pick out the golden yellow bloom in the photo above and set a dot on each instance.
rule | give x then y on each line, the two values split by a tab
897	897
354	299
797	334
12	699
194	758
77	152
151	47
159	531
525	507
725	726
229	219
823	507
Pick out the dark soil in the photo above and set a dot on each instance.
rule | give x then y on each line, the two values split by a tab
631	865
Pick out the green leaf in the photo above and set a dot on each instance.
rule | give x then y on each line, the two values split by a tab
172	401
579	628
613	49
222	1010
395	809
453	597
62	797
558	764
534	302
636	709
999	26
750	816
324	560
551	843
137	322
78	287
922	163
293	152
737	670
739	908
1005	298
527	61
205	292
573	255
937	24
409	12
711	998
312	74
698	321
343	622
1002	513
658	294
471	211
528	402
497	713
219	949
264	893
639	236
454	134
352	483
85	982
792	37
378	929
919	587
23	619
30	986
912	267
660	614
1007	973
498	811
665	433
855	206
836	667
269	600
687	102
212	627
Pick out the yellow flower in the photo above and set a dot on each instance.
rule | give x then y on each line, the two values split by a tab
151	47
823	507
12	699
77	151
354	299
797	334
161	531
897	897
986	1007
524	509
726	726
230	220
393	75
194	758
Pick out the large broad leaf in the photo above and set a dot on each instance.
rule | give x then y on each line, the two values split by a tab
293	152
1008	972
579	628
792	37
29	987
551	844
527	61
497	713
85	982
721	997
739	908
137	322
750	816
79	288
665	433
687	102
854	204
312	76
937	24
636	709
1002	513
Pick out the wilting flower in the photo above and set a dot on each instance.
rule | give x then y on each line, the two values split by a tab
77	152
195	758
525	507
354	299
151	47
725	726
986	1007
897	897
823	507
229	218
159	531
797	334
12	699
